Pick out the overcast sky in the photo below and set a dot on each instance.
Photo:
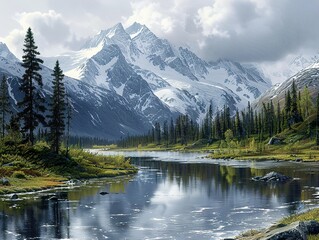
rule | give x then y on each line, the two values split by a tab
242	30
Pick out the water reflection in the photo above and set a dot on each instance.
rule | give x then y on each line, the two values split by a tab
181	197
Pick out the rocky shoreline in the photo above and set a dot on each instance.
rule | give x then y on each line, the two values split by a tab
299	230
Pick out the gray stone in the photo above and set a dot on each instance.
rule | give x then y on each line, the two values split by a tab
14	197
275	141
294	231
312	227
5	182
272	177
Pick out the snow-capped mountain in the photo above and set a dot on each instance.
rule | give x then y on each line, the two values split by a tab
307	77
96	111
157	79
288	67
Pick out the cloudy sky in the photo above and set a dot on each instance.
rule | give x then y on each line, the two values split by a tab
242	30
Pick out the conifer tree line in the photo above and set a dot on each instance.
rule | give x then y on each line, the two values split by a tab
33	115
270	120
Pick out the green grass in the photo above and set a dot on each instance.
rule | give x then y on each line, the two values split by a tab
306	216
36	167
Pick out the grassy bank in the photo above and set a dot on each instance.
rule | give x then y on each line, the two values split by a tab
28	168
306	216
301	150
296	143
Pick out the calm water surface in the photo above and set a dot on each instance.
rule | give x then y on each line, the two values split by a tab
173	196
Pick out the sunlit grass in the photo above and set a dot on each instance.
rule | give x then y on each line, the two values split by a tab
31	184
35	167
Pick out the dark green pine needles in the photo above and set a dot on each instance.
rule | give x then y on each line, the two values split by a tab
32	104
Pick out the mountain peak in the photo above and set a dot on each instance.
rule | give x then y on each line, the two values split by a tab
5	52
115	31
135	29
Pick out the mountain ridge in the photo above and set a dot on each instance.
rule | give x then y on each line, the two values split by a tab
122	81
181	80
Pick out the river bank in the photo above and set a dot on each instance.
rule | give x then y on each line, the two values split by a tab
301	150
311	215
32	168
173	195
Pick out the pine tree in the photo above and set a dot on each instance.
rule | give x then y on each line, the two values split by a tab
4	103
32	102
165	132
157	130
13	127
238	126
278	118
68	122
288	109
57	109
218	129
295	115
172	139
306	103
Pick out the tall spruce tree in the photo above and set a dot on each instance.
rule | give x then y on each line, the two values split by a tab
5	108
295	115
32	104
57	109
68	122
278	118
288	109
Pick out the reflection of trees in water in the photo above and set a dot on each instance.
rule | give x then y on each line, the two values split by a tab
217	181
33	219
214	177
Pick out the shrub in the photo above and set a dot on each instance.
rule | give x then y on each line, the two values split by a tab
10	158
42	146
19	174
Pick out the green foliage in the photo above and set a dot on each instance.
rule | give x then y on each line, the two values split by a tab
41	146
32	103
19	174
5	107
57	109
229	135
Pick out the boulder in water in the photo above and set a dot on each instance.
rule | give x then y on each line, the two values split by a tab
272	177
14	197
104	193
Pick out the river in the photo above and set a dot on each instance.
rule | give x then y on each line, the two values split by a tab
173	196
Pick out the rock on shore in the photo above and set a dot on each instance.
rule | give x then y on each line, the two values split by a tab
294	231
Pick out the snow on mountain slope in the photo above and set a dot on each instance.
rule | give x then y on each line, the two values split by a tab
158	79
288	67
307	77
97	112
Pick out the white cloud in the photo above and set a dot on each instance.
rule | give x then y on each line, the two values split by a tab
243	30
50	30
151	14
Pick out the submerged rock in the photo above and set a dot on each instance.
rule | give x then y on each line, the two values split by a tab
53	198
104	193
272	177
